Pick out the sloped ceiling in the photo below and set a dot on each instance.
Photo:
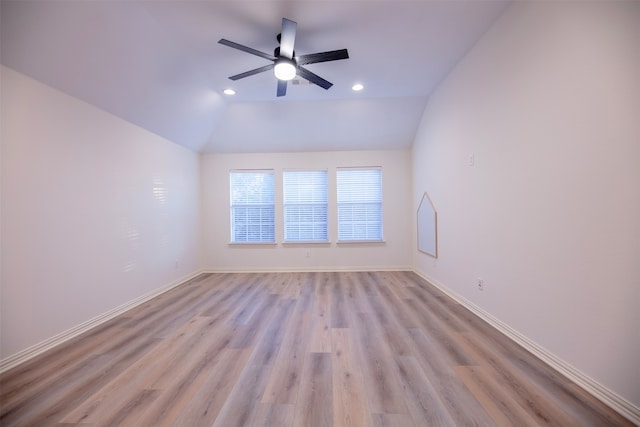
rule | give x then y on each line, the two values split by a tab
158	65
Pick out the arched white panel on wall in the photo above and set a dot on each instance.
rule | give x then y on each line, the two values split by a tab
427	227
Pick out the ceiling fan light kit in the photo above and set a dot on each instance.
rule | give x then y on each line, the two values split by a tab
285	64
284	69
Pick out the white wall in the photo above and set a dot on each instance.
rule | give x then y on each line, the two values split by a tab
218	255
549	216
95	212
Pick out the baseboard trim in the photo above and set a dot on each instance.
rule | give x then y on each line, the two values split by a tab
602	393
37	349
309	270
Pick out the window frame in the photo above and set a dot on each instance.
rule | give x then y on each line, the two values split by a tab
312	204
379	238
234	204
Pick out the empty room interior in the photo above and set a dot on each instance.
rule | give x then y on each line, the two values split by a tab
432	220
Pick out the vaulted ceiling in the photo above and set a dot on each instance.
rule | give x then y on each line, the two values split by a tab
158	64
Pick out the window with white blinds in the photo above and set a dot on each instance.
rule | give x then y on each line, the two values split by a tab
305	206
252	206
359	204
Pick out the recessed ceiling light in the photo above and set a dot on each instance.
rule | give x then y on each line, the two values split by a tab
357	87
229	92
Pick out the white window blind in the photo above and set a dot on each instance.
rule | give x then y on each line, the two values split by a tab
252	206
359	204
305	206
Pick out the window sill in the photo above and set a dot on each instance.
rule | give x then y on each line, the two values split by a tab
253	244
361	242
306	243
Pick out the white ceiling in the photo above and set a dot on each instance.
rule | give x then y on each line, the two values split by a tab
158	65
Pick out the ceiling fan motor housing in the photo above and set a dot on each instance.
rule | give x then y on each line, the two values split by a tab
276	52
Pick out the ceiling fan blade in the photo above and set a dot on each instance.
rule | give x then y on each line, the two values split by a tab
314	78
246	49
252	72
287	38
313	58
282	88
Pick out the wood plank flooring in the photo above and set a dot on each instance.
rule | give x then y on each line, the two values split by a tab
295	349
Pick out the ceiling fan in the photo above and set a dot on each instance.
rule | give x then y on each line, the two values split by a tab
286	65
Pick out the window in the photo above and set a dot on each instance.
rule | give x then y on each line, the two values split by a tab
252	207
305	206
359	204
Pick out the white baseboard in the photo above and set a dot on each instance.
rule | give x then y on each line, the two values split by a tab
309	269
608	397
37	349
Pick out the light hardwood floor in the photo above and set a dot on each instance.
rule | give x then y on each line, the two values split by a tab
295	349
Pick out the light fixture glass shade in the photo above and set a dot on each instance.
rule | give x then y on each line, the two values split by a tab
284	69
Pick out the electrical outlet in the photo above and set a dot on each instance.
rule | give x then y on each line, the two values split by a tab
480	284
